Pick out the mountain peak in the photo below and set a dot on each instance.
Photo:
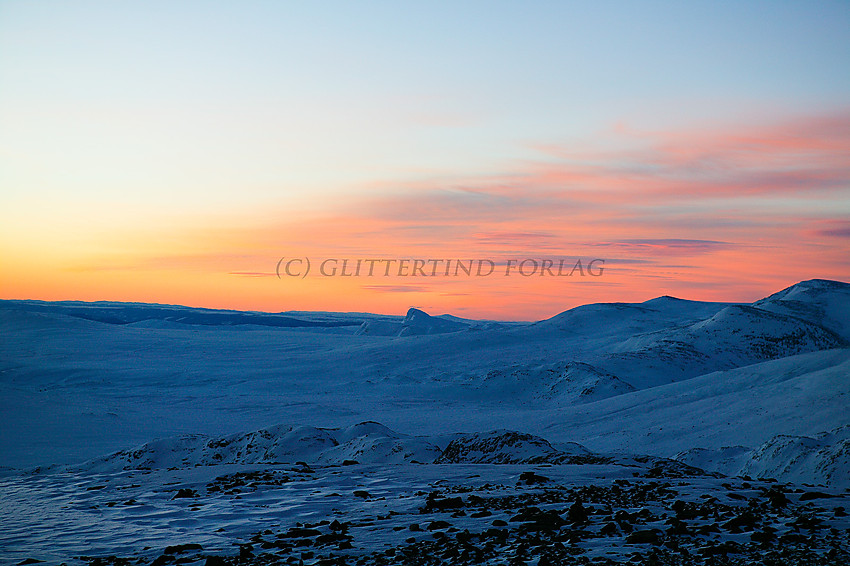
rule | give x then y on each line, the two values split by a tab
821	301
419	322
416	314
823	284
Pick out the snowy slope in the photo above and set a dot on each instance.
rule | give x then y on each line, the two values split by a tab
617	320
379	328
364	443
796	395
735	336
822	459
819	301
558	384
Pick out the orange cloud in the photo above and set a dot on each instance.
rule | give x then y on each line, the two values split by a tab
715	215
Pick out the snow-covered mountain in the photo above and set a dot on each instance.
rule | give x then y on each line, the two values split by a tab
169	315
822	458
735	336
418	322
819	301
78	380
505	447
619	319
556	384
414	323
365	442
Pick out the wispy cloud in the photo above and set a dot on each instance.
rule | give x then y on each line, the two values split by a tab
667	246
396	288
704	214
251	274
833	229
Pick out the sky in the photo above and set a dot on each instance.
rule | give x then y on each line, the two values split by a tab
182	152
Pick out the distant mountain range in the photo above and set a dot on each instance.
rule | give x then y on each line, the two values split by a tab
760	388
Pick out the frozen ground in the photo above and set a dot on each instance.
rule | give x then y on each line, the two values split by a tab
146	400
418	514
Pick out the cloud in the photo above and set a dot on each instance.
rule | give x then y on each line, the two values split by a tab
670	175
676	245
743	210
836	233
251	274
514	236
396	288
833	229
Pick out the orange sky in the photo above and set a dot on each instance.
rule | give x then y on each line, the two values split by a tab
708	215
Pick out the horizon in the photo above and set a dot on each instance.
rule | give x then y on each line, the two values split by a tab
438	314
180	154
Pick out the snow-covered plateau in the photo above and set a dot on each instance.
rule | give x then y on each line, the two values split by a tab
663	432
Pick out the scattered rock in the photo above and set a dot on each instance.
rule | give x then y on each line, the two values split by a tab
530	478
809	495
646	536
180	548
185	492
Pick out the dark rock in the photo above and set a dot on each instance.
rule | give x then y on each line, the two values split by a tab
685	511
807	522
776	497
646	536
531	478
178	548
436	503
577	513
185	492
714	549
745	520
792	538
678	527
537	519
762	537
246	551
337	526
809	495
300	532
